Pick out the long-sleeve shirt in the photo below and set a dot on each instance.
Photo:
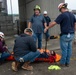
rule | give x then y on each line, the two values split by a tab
2	49
23	45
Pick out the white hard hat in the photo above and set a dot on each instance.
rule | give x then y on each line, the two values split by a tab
1	34
45	12
61	5
28	30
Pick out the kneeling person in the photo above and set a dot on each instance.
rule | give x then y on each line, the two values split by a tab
25	50
3	49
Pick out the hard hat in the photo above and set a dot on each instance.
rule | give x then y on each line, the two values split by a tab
28	30
62	5
37	7
1	34
45	12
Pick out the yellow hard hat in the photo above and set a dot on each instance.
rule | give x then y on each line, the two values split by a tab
37	7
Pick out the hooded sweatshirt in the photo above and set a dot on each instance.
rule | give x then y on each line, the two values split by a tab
23	45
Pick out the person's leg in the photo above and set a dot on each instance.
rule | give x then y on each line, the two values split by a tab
35	37
4	56
69	51
63	45
30	57
47	36
39	40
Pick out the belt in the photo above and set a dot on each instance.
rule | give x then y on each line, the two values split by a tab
66	33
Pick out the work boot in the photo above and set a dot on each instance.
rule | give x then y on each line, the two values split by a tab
67	65
59	64
15	66
27	67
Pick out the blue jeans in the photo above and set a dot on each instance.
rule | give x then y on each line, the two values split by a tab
39	37
66	47
4	56
47	34
29	57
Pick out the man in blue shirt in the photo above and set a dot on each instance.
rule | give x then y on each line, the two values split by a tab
36	22
48	20
67	25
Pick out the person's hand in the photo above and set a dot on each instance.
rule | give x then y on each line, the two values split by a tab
48	52
5	47
41	51
45	30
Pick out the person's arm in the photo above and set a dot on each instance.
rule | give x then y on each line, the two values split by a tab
29	25
32	44
75	27
57	21
45	24
50	25
2	49
30	22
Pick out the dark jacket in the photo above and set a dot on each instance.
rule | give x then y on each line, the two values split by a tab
2	48
23	45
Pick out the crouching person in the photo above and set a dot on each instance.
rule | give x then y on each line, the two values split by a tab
3	48
25	50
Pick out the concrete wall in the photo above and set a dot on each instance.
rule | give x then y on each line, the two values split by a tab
4	5
26	10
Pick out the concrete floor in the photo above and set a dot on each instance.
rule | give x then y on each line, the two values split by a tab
41	68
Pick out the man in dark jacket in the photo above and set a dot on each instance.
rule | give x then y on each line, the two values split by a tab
25	50
48	20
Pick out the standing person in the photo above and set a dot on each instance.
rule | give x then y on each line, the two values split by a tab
25	50
37	21
48	20
3	48
67	25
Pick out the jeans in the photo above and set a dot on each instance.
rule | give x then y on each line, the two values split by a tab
66	47
39	37
4	55
29	57
47	34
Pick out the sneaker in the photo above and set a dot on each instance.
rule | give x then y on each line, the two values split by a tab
15	66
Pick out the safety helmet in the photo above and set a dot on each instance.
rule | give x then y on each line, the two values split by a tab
1	34
37	7
45	12
28	30
62	5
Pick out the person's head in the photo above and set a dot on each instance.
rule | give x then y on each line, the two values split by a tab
28	31
45	13
62	7
1	36
37	10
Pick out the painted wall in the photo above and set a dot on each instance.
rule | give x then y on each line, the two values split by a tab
26	10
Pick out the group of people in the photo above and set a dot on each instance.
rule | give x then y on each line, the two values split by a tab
25	50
